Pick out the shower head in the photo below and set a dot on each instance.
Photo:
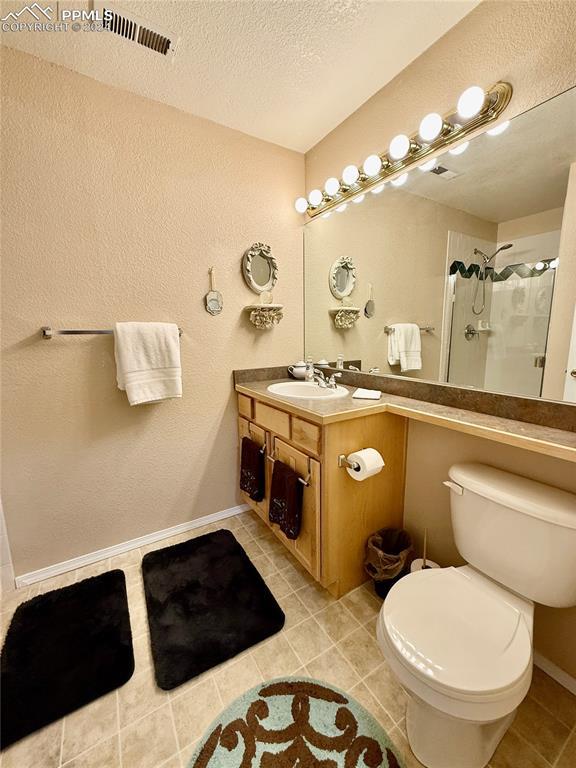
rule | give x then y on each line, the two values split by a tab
488	259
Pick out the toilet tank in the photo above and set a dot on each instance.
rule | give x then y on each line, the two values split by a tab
519	532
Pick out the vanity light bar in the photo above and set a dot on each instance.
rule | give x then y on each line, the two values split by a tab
475	109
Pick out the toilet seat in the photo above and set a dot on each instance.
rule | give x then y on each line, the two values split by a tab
454	637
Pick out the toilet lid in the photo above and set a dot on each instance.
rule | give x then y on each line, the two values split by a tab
456	633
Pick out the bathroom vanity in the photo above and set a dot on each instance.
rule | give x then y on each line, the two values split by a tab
339	513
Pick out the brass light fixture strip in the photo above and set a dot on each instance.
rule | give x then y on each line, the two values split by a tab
497	99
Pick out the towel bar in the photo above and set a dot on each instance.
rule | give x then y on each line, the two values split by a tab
301	479
424	328
48	332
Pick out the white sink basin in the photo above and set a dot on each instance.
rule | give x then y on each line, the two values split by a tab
306	390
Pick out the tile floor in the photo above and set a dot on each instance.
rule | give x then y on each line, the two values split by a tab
140	726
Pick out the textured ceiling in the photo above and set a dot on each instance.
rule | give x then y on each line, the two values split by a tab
287	71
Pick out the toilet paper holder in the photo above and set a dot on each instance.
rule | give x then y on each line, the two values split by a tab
344	462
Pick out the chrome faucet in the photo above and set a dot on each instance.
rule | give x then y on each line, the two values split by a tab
323	382
331	383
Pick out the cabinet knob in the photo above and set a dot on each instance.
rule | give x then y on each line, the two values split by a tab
573	373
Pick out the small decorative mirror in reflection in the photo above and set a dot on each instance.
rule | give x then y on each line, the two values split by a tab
259	268
342	277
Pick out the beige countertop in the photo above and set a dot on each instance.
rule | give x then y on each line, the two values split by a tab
532	437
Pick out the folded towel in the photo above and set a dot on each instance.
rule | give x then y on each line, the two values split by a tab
404	347
148	361
286	500
367	394
252	470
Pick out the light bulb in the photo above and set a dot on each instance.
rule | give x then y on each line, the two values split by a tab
540	265
301	205
400	180
431	127
332	186
315	197
358	199
372	165
471	102
460	149
554	263
399	147
378	189
341	208
498	129
429	165
350	175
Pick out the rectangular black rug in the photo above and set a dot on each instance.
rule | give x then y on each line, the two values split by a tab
63	650
206	603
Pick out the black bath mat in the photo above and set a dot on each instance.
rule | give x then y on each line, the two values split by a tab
206	603
63	650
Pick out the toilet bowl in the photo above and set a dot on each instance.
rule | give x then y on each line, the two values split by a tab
459	640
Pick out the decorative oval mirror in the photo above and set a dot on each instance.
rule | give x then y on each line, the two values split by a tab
259	268
342	277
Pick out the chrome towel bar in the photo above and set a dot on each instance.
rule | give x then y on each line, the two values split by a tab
48	332
424	328
301	479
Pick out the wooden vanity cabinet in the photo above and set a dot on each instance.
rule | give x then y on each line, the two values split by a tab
338	512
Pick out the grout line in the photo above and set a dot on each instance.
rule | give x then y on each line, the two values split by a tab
177	740
62	741
530	746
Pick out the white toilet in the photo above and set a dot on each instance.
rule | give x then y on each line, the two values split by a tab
459	640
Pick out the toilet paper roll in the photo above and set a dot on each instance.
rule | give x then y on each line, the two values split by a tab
369	462
418	563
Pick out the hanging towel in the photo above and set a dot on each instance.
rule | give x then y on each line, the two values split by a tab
148	361
404	347
252	470
286	500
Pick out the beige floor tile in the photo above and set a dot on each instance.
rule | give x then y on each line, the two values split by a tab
237	676
264	565
106	754
362	651
553	697
361	604
275	657
139	696
403	748
87	726
133	576
138	614
173	762
296	576
186	754
247	517
195	710
126	559
337	621
229	523
142	652
333	668
272	547
294	610
282	558
363	696
252	549
278	585
387	691
309	640
189	684
56	582
242	536
149	741
315	597
12	600
567	757
95	569
256	529
514	752
542	731
39	750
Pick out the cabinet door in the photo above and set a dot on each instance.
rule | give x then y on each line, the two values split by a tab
306	548
261	437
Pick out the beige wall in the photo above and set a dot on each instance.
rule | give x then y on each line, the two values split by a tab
529	44
114	207
396	241
526	226
431	452
563	305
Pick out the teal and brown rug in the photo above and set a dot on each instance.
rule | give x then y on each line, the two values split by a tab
295	723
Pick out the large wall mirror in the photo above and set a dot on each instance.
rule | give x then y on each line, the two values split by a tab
480	249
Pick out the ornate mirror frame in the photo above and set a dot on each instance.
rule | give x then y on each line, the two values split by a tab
263	251
344	262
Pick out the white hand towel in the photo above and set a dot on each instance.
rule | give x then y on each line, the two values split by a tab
404	347
148	361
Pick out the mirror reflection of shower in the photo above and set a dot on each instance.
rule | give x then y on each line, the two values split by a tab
482	275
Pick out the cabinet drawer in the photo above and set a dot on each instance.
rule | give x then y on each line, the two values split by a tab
306	435
245	406
272	419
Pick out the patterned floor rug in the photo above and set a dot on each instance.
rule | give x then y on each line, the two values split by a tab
295	723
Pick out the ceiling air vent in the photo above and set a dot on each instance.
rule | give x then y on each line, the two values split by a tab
137	30
444	173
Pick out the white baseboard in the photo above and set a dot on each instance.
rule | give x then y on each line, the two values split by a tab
555	672
117	549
